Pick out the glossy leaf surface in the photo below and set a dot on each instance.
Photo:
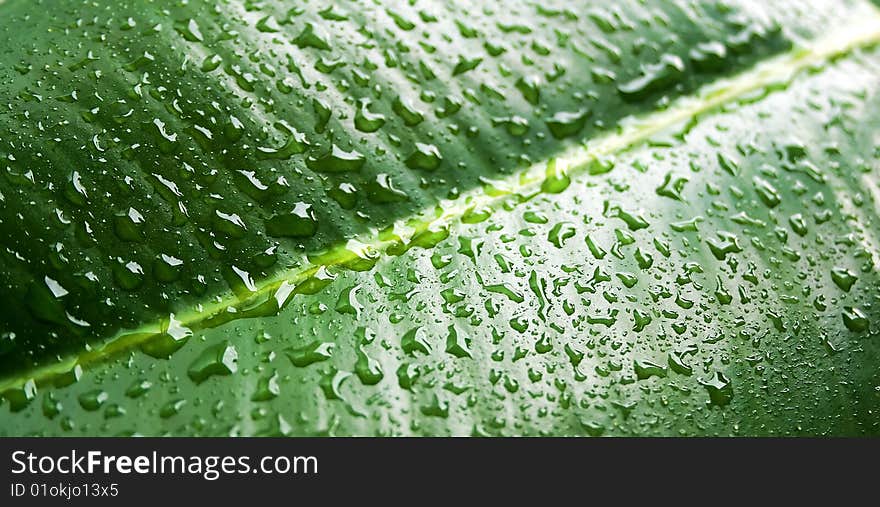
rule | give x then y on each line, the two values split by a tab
426	218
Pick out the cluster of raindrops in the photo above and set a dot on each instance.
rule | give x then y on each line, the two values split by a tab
157	161
156	158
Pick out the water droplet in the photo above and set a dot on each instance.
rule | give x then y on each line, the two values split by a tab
219	359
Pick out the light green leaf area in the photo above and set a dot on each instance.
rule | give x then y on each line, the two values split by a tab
273	218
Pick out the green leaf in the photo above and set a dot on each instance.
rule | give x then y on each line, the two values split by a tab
594	220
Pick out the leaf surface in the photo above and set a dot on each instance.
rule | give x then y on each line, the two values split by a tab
256	219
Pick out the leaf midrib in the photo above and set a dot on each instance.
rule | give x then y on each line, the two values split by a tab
632	132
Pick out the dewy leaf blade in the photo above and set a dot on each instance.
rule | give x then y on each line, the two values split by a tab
362	371
577	159
214	145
